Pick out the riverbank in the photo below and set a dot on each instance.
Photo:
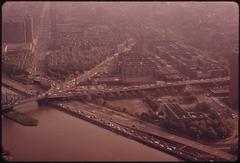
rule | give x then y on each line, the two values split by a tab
62	137
176	149
21	118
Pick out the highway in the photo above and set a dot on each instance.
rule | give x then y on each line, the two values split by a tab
66	93
61	92
124	122
85	76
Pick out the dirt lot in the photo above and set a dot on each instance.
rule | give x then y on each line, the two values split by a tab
132	105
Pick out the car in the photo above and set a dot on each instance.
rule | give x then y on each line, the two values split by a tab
180	153
144	137
156	142
169	148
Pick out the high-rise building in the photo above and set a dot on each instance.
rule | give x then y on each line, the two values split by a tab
28	22
5	9
13	32
234	79
134	65
18	32
53	18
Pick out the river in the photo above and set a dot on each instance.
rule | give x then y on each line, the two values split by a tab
61	137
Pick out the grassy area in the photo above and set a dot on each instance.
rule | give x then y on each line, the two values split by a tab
22	118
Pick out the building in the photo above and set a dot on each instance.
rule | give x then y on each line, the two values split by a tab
234	81
174	111
135	66
135	69
54	45
18	36
13	32
28	29
219	92
18	32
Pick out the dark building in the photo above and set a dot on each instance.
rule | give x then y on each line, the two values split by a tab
18	32
53	18
234	79
29	29
13	32
135	67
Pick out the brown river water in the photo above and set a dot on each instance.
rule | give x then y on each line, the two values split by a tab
62	137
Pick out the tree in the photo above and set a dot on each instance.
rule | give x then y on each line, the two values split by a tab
89	97
211	133
203	129
193	123
199	133
202	107
215	123
213	114
234	149
100	101
193	131
183	126
136	114
209	122
221	132
187	93
151	102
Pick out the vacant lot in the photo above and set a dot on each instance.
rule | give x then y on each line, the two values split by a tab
134	106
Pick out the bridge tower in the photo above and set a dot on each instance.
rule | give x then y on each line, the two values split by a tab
41	102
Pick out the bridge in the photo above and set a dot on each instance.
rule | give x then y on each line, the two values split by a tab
117	92
9	107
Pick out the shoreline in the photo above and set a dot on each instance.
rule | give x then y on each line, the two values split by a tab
136	135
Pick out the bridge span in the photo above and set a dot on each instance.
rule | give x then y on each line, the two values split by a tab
7	108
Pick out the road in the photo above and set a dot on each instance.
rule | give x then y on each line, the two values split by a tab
127	120
84	77
63	91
